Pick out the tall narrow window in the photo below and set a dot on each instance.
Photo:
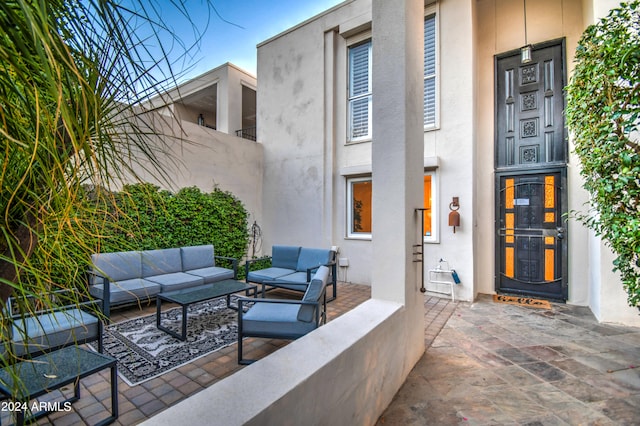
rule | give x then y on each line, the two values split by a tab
360	91
430	72
428	203
431	207
359	214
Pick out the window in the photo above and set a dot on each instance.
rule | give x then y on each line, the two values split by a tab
359	191
430	72
430	205
360	91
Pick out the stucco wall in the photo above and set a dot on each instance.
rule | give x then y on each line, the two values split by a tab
328	377
302	123
302	115
192	155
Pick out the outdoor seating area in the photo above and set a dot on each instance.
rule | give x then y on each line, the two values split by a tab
476	369
53	348
136	402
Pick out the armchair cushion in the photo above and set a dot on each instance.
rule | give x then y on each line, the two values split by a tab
285	257
268	274
117	266
265	319
53	329
311	258
176	281
315	292
123	291
212	274
197	257
163	261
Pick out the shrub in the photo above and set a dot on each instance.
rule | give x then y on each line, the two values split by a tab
142	217
603	110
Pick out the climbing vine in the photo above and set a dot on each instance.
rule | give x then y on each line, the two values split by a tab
603	111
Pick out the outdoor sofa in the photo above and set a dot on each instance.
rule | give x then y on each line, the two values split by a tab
132	276
284	318
291	268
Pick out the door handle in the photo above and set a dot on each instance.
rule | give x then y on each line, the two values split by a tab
560	233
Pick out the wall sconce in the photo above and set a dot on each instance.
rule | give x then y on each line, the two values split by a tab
454	216
525	51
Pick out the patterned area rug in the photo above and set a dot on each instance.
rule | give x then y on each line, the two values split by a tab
144	352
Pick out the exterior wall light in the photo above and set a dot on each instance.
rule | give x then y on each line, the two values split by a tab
525	51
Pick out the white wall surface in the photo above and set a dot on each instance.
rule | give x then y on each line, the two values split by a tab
328	377
192	155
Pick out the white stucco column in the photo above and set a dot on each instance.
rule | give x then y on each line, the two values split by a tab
397	157
229	108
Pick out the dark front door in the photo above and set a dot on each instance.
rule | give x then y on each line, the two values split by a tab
530	165
532	240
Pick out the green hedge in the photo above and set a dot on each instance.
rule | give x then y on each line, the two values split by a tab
603	114
139	217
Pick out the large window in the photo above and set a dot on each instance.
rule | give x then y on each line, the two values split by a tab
359	191
430	72
360	91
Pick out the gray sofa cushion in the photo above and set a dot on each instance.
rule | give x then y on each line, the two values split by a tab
314	293
312	258
197	257
176	281
268	274
127	291
117	266
212	274
53	329
263	318
158	262
285	257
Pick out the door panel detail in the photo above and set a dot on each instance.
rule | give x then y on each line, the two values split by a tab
530	235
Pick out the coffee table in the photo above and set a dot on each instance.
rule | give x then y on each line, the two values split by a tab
51	371
188	296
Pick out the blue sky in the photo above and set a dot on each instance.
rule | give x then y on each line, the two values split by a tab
248	22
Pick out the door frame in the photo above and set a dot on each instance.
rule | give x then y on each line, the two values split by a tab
539	168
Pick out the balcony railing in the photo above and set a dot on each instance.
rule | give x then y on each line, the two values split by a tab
247	133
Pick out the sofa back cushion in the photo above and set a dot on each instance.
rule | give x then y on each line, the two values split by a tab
285	257
117	266
197	257
314	293
158	262
312	258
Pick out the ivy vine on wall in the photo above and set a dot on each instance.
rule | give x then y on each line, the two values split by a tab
603	111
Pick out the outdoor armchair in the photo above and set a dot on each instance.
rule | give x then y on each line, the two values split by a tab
292	267
282	318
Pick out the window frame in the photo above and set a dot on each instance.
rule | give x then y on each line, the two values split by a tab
351	234
360	96
434	76
435	219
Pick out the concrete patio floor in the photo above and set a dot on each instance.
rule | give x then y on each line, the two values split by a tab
486	363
